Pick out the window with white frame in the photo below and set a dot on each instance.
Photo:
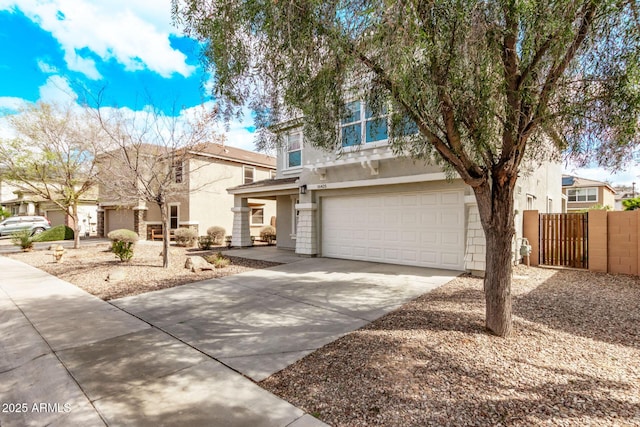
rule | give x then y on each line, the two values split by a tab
293	147
248	172
362	125
549	205
257	216
582	194
530	202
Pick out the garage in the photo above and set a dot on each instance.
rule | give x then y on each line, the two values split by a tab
56	217
423	229
116	219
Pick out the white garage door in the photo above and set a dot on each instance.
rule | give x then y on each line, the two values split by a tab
118	218
424	229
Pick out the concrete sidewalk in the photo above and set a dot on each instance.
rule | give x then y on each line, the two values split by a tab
70	359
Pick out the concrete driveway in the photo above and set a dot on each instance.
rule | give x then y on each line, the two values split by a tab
261	321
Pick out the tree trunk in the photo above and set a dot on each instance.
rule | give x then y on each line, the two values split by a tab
76	226
165	234
495	206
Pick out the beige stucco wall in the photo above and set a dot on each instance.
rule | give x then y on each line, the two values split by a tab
284	222
210	204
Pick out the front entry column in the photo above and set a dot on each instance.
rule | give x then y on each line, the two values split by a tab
241	234
306	236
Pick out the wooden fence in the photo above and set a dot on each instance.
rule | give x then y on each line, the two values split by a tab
564	240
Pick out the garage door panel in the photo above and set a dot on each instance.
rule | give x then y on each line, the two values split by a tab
423	229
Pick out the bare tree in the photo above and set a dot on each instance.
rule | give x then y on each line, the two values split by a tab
53	155
147	158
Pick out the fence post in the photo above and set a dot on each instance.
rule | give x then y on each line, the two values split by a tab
531	230
598	241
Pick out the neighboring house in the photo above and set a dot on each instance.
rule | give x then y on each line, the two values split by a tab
203	202
20	200
362	202
623	194
584	193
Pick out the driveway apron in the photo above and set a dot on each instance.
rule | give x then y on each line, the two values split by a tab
70	359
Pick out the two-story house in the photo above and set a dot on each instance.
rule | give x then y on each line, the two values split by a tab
585	193
201	200
363	202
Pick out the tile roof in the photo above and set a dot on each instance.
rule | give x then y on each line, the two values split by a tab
226	152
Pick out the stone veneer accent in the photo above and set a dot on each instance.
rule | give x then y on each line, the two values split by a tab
475	250
241	235
100	225
139	223
306	235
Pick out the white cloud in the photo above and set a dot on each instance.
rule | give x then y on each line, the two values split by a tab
57	90
135	33
10	103
46	68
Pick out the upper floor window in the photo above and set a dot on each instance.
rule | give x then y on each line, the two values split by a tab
582	194
293	147
362	125
177	171
249	172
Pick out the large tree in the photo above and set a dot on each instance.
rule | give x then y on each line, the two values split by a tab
52	155
487	83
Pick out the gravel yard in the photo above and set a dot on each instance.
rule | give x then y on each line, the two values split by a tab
90	266
573	360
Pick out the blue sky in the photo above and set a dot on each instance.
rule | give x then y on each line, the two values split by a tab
54	50
51	49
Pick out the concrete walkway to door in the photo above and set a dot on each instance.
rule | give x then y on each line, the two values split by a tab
261	321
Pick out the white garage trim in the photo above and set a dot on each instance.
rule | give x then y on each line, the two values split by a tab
415	228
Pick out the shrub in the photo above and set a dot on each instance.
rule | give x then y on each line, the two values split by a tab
218	260
23	239
268	234
217	233
60	232
122	242
205	242
185	237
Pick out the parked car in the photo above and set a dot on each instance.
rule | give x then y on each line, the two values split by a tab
35	224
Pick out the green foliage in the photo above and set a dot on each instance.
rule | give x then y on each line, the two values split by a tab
123	235
59	232
217	233
23	239
218	260
4	213
123	249
631	204
205	242
268	234
185	237
122	243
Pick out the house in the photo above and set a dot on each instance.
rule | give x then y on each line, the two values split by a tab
623	194
201	200
363	202
585	193
19	199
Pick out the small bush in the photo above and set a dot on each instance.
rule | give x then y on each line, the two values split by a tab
23	239
218	260
185	237
217	233
122	242
268	234
123	235
60	232
205	242
123	250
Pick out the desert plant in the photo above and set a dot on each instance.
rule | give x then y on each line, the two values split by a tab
217	233
268	234
60	232
218	260
122	243
205	242
23	239
185	237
